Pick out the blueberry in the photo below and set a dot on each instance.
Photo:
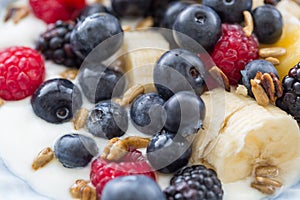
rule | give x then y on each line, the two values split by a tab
179	70
74	150
94	30
107	120
230	11
200	23
268	24
168	152
147	113
130	7
92	9
185	112
56	100
134	187
252	68
99	82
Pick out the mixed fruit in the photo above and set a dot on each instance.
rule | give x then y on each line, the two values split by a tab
75	28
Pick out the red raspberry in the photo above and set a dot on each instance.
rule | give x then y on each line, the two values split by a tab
133	163
234	50
52	10
21	72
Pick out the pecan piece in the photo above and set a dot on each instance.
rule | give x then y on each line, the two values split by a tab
16	14
278	86
268	85
81	190
218	75
43	158
259	93
80	118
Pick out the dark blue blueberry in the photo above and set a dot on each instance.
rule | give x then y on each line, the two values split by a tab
94	30
147	113
179	70
107	120
134	187
230	11
56	100
92	9
168	152
185	112
199	23
252	68
74	150
99	82
130	7
268	24
157	10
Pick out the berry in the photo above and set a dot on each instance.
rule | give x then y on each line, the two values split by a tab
92	9
55	44
94	30
252	68
74	150
168	152
99	82
290	100
56	100
233	51
135	187
21	72
102	171
107	120
197	23
157	10
194	182
268	24
130	7
179	66
230	11
146	113
51	11
185	112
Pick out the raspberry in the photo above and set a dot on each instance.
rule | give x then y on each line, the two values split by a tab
133	163
21	72
234	50
52	10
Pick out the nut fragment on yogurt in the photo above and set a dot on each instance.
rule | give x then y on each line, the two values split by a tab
43	158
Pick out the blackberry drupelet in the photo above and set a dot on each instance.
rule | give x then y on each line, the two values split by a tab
193	183
290	100
55	44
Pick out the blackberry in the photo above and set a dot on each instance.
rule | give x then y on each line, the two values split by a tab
55	44
290	100
193	183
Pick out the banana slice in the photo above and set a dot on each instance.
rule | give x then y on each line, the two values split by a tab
238	135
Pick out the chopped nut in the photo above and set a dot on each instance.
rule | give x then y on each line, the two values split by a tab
131	94
69	74
259	93
268	181
268	85
145	23
2	102
43	158
218	75
115	150
16	14
248	29
242	90
126	28
278	86
272	52
266	189
81	190
137	142
268	171
273	60
80	118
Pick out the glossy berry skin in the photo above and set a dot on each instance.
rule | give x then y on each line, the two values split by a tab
21	72
56	100
74	150
200	23
134	187
179	66
92	31
133	163
268	24
99	82
168	152
92	9
252	68
185	112
147	114
230	11
157	10
125	8
234	50
107	120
